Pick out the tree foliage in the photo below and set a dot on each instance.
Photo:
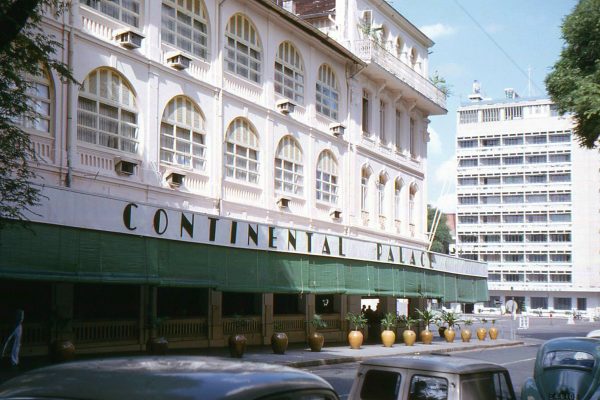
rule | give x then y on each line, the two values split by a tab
25	53
442	238
574	82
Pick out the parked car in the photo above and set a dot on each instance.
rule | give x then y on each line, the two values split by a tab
431	377
565	368
175	378
594	334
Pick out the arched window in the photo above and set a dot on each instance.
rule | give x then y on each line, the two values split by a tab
289	73
106	111
398	199
185	26
127	11
328	95
364	189
399	47
241	152
327	178
413	57
243	52
381	181
40	103
288	166
182	135
411	207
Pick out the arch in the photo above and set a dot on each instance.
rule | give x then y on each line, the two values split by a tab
414	57
185	25
40	92
107	111
289	170
328	92
398	188
365	176
182	134
382	179
242	151
289	72
399	47
243	49
327	177
126	11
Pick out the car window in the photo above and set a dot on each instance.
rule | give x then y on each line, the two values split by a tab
380	385
423	387
568	358
492	386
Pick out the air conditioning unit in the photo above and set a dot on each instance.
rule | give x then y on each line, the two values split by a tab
335	214
129	39
125	167
283	202
178	61
285	106
337	129
175	179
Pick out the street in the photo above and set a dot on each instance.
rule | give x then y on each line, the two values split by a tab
519	360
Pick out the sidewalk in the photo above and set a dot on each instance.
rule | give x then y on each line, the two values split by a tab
297	355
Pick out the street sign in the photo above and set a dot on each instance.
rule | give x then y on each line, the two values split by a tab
511	306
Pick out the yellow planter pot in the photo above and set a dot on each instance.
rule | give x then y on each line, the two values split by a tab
355	338
465	335
481	332
449	334
388	338
493	333
426	337
409	337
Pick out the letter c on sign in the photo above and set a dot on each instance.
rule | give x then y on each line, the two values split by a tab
127	216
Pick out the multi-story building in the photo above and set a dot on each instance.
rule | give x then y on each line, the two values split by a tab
528	203
228	157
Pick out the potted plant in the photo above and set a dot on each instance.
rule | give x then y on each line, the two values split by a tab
465	333
279	340
409	336
493	332
156	344
451	319
315	339
355	337
427	317
237	341
388	337
61	347
481	331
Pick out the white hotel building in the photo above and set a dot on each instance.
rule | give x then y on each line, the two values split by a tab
528	203
228	157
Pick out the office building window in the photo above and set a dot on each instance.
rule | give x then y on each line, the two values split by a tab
185	26
327	178
243	51
328	95
241	152
289	73
127	11
289	173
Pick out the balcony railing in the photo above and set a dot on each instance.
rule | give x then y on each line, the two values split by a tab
371	51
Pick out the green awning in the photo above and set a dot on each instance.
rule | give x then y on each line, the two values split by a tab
60	253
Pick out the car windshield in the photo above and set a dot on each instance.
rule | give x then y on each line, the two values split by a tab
569	358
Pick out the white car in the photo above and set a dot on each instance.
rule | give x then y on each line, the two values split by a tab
594	334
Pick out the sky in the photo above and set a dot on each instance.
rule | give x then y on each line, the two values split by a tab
528	33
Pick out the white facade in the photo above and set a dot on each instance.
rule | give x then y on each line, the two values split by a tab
528	199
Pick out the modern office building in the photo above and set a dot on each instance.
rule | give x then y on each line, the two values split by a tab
528	203
228	157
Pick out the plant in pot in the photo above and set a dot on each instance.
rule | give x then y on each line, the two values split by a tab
279	340
427	317
408	336
451	319
465	333
156	344
61	346
315	339
237	341
481	331
388	336
493	331
355	337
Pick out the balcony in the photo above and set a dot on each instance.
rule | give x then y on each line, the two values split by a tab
372	52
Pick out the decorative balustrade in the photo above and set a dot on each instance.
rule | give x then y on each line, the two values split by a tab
244	325
43	148
333	322
106	331
289	323
184	328
371	51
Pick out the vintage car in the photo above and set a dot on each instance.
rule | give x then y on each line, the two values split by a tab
565	369
431	377
148	378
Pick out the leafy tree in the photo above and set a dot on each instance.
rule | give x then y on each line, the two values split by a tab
574	83
25	51
442	238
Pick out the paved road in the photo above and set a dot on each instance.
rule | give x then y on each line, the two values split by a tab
518	360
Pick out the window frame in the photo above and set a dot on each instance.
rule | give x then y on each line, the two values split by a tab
296	66
238	48
100	6
290	166
239	152
327	177
327	96
197	48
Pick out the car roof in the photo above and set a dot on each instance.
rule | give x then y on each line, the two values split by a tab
587	344
437	363
179	377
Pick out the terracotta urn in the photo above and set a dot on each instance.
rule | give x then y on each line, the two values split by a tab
388	338
355	338
62	350
493	332
465	335
237	345
449	334
316	341
426	336
279	342
481	332
409	337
